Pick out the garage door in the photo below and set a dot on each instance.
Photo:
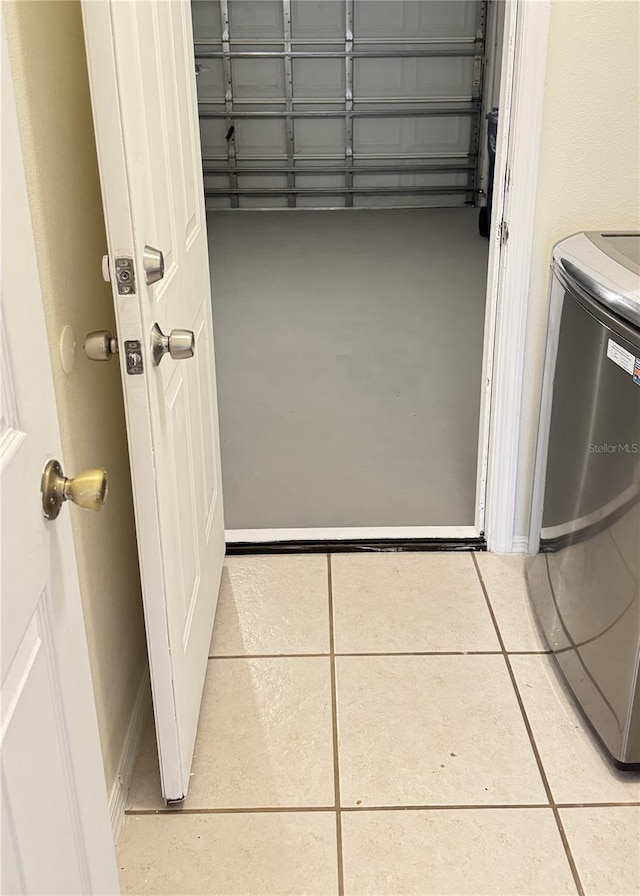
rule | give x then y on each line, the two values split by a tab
363	103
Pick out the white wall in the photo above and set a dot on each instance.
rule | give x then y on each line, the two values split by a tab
46	45
589	170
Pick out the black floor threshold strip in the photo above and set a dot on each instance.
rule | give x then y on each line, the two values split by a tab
355	545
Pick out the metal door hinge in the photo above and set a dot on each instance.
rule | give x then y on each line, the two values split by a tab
504	232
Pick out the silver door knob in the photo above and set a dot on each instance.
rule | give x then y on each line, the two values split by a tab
100	345
179	344
88	489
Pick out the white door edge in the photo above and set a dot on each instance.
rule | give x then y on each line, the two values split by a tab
109	141
255	536
518	148
142	80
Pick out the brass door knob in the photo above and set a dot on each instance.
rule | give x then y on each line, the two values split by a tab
88	489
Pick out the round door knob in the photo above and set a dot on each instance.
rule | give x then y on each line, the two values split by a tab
180	344
87	490
100	345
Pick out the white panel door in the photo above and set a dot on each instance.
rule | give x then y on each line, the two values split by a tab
56	836
142	76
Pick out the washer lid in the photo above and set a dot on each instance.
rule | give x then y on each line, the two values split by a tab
606	266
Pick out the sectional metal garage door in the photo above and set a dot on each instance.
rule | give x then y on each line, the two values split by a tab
336	103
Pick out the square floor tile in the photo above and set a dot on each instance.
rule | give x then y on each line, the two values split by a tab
264	738
576	767
605	844
432	730
413	602
497	852
272	605
504	579
248	854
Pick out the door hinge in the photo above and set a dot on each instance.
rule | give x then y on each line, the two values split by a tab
504	232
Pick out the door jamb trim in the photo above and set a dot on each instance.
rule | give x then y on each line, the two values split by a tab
519	136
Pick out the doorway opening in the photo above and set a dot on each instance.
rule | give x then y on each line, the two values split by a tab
345	165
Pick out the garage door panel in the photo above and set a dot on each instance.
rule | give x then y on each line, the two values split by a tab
255	19
414	19
388	181
445	19
317	20
413	77
216	182
212	137
400	200
319	78
262	182
405	89
258	78
425	135
319	136
206	19
260	201
321	182
209	80
258	137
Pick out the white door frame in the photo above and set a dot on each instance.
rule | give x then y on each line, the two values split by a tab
519	132
524	55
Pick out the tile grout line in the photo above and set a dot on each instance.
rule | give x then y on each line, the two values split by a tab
261	810
295	656
269	656
231	810
334	726
529	730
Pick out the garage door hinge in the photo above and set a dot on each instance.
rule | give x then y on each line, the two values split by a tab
504	232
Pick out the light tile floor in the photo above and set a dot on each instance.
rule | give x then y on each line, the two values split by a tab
377	725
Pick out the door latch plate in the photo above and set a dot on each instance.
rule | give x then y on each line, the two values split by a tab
133	357
125	277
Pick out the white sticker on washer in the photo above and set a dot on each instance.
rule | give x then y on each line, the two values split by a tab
621	356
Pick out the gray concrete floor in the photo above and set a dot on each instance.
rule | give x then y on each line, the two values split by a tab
348	358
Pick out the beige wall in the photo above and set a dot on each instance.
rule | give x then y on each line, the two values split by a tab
589	171
46	47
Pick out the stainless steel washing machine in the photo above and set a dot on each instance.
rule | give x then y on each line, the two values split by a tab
584	570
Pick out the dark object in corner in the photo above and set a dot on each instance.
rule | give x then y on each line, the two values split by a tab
484	221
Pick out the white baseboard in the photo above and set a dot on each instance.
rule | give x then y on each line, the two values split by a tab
139	715
520	544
